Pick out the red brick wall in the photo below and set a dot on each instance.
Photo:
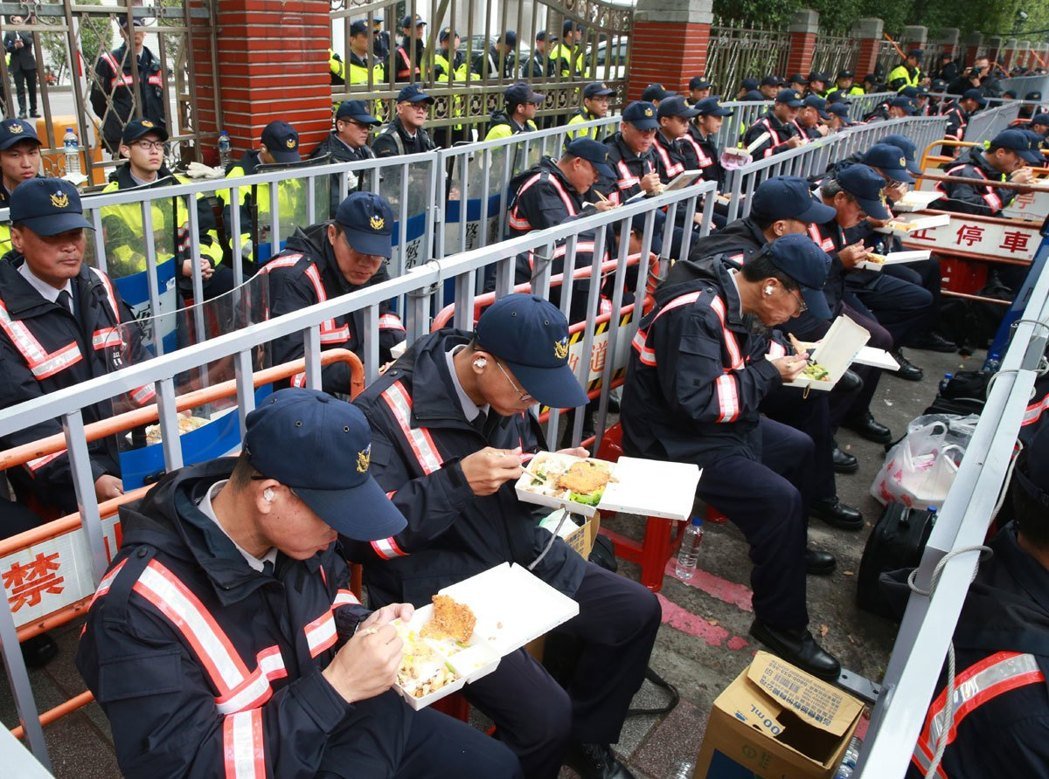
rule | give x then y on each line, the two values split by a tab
867	58
802	47
666	53
272	64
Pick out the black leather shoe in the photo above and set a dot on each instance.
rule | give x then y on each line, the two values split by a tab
932	341
38	651
798	647
870	428
819	563
844	462
908	370
596	761
850	381
836	514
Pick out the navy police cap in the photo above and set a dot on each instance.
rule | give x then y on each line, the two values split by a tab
709	106
790	97
357	110
789	197
890	160
910	151
798	256
47	206
1019	141
866	186
320	447
642	115
676	106
281	141
817	102
138	128
530	334
413	94
593	152
367	222
13	131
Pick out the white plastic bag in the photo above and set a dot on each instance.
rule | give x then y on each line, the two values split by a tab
920	469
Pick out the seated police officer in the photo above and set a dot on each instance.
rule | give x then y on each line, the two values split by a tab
278	144
631	155
142	145
1001	701
348	142
595	106
225	641
325	261
696	377
406	134
64	324
521	106
777	127
450	420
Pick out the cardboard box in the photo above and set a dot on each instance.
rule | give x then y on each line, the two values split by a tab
777	722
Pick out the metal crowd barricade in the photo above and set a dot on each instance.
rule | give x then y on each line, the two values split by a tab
745	113
987	123
416	287
815	157
929	621
861	105
474	181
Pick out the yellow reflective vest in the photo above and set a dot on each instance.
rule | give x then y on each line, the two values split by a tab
124	230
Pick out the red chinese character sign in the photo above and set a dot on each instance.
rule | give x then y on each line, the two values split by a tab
968	236
51	575
27	583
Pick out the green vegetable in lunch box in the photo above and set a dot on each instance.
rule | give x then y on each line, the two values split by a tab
590	499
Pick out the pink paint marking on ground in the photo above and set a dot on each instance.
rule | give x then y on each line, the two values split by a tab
722	589
693	625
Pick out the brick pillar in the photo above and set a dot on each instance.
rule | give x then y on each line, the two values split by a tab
272	63
1008	53
869	33
669	44
994	48
948	40
804	30
972	48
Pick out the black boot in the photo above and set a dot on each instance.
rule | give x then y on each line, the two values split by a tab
798	647
596	761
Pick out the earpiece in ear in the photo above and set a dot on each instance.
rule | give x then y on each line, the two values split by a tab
480	362
268	494
768	290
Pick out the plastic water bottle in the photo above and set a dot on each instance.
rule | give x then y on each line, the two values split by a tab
225	150
688	554
683	769
72	150
932	515
848	762
945	381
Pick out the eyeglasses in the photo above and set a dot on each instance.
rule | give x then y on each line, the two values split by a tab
525	397
802	306
149	145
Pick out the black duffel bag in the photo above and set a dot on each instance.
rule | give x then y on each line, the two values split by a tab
897	541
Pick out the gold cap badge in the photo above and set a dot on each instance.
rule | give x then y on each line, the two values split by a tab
903	162
648	112
364	459
561	348
147	123
15	128
60	200
377	222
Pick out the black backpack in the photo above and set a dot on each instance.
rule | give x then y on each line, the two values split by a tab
965	393
897	541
